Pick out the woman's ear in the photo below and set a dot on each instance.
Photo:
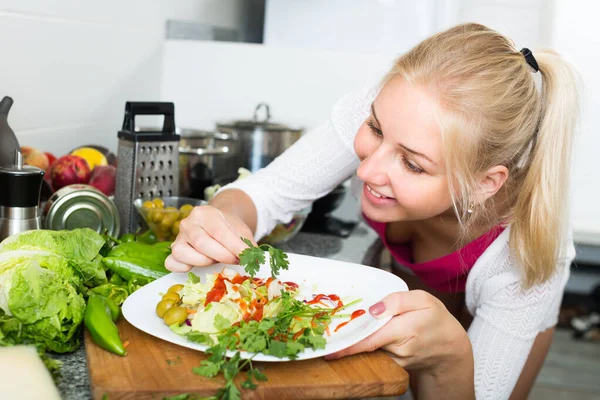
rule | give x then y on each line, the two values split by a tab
491	182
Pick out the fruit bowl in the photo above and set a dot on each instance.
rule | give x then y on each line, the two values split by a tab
282	233
163	214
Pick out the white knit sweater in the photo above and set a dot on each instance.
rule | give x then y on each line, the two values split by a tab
506	318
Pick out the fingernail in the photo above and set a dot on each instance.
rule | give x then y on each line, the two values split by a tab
330	357
377	309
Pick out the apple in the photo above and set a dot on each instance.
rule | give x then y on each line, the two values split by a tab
69	170
103	179
34	157
51	157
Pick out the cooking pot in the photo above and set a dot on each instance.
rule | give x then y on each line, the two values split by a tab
258	142
198	153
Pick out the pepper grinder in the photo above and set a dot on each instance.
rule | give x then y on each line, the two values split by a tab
20	187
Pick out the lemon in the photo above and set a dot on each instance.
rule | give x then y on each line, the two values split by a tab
93	157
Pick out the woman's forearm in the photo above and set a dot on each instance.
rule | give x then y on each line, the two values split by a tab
454	379
236	202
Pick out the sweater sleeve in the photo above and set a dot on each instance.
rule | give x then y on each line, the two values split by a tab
507	319
312	167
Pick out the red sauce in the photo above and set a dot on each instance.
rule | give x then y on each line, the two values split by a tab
292	285
219	289
332	297
238	279
354	315
217	292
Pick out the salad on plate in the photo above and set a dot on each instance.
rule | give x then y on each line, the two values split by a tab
233	311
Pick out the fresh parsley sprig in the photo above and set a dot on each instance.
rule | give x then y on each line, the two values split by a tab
254	256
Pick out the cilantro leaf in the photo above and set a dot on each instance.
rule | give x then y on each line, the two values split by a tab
231	367
217	352
259	376
248	384
278	260
315	341
293	348
230	392
251	259
278	349
207	369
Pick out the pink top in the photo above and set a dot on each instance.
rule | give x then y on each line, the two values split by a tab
445	274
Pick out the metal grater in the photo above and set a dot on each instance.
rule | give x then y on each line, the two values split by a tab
147	161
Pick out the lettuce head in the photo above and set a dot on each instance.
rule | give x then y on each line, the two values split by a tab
38	306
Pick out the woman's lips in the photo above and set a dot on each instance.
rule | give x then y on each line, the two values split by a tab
377	198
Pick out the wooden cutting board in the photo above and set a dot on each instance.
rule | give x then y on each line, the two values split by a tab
154	369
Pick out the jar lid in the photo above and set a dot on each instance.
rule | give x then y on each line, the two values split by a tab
82	206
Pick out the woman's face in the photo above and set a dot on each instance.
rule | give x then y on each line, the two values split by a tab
402	164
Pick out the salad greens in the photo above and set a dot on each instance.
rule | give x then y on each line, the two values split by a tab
242	313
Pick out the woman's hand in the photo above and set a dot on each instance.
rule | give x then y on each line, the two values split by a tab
422	334
207	236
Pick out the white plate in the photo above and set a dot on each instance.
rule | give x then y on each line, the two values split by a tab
329	276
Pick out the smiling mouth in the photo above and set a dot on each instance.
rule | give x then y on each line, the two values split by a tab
376	194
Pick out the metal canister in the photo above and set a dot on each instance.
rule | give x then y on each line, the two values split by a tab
81	206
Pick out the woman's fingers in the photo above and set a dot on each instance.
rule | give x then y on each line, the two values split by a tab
218	228
402	302
204	245
173	265
392	332
186	254
397	336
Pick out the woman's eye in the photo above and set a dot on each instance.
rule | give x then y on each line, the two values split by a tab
374	129
412	167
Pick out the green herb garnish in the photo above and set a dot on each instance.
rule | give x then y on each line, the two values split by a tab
281	336
254	256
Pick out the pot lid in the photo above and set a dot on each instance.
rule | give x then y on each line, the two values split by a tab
257	122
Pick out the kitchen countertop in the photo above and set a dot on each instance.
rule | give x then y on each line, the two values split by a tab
74	384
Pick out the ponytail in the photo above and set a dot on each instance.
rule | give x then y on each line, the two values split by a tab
539	217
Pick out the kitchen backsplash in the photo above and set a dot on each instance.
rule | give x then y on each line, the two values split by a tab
215	81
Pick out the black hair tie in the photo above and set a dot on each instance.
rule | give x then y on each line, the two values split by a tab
530	59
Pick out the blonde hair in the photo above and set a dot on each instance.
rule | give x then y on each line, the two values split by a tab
494	115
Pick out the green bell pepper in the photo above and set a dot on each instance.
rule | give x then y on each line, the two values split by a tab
99	318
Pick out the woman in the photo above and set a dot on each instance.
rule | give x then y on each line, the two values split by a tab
465	170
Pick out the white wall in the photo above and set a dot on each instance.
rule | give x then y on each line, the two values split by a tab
71	65
354	26
577	37
215	81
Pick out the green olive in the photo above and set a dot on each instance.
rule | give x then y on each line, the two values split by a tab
158	203
163	306
175	315
185	210
175	288
172	296
175	228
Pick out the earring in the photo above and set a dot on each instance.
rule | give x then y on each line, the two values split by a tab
471	208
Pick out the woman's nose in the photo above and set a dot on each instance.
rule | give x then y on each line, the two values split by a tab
372	168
